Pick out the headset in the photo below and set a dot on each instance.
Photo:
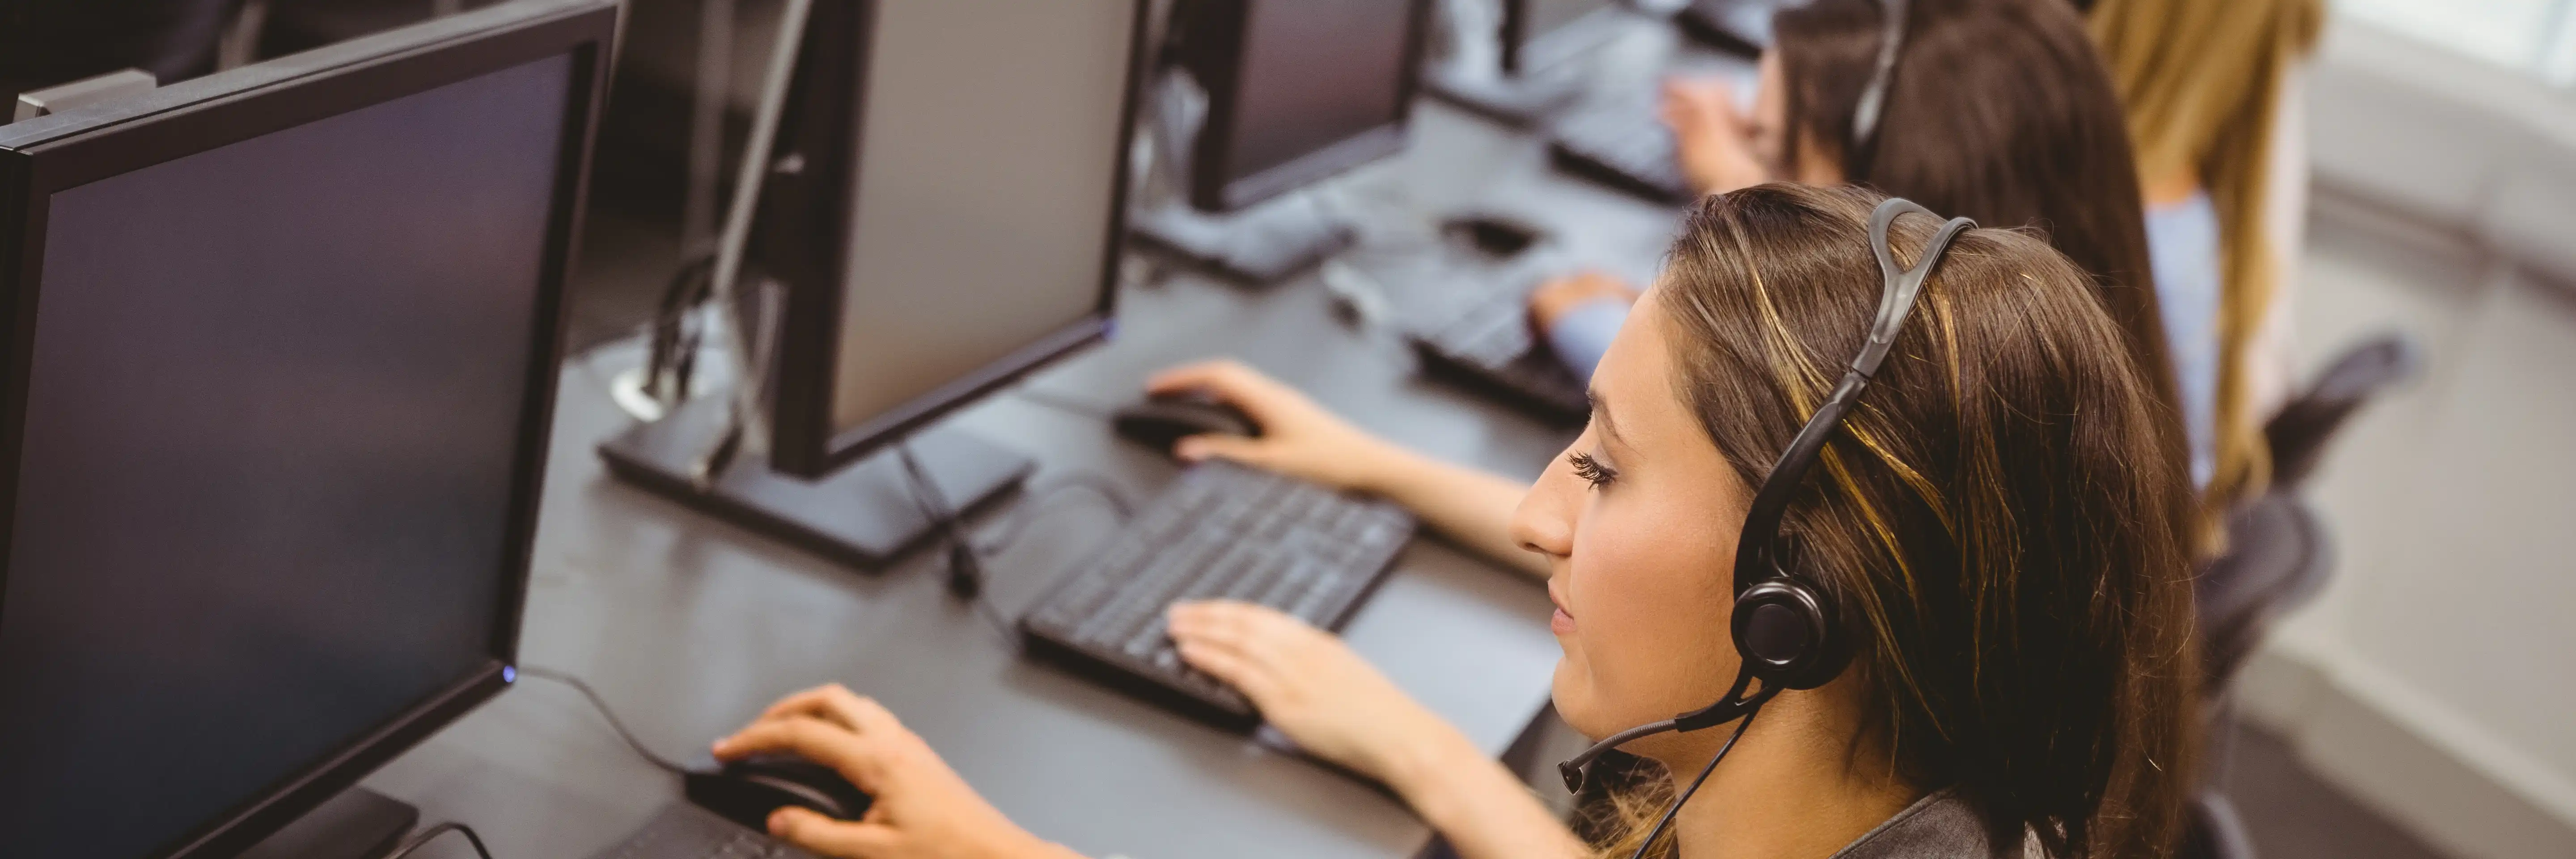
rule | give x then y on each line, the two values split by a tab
1873	98
1786	631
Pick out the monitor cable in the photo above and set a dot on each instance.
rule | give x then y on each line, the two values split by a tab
422	838
966	555
671	353
608	713
965	564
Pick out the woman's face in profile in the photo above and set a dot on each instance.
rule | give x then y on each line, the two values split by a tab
1638	523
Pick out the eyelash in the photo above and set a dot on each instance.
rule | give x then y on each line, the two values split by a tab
1591	470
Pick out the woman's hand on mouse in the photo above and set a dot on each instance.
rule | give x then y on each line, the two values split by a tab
1712	138
1552	299
1298	438
1310	686
923	810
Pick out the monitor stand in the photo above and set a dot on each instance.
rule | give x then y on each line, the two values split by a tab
863	515
357	824
1262	244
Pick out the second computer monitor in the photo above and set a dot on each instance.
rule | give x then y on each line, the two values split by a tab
1298	90
946	208
1525	22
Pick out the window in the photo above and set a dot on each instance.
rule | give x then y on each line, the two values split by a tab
2536	36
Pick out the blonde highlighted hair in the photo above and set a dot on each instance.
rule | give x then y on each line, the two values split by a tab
2202	82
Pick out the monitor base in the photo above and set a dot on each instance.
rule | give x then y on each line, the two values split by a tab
863	515
357	824
1262	244
1520	102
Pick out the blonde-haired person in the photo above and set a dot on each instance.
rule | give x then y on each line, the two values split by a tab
2000	519
2211	91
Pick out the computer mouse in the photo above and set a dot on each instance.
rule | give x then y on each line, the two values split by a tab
748	790
1162	420
1495	233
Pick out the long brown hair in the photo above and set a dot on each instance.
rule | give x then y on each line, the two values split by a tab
1997	110
2202	81
2002	520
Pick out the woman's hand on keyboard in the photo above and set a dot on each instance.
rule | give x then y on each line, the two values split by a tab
1298	437
1310	686
923	810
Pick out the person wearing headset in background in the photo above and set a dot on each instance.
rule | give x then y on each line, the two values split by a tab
2211	88
2000	111
1941	615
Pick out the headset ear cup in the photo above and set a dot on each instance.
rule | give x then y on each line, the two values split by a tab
1787	635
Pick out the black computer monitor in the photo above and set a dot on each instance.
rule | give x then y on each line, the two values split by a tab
957	214
1298	90
282	352
1526	23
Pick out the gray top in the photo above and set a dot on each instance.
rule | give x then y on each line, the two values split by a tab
1938	825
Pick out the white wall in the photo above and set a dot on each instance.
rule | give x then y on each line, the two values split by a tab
2436	677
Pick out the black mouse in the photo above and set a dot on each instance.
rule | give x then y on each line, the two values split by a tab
747	790
1162	420
1495	233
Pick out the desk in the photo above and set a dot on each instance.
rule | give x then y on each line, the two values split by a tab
690	626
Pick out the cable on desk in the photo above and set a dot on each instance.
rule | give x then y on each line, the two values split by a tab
605	712
413	844
965	560
1023	514
1062	403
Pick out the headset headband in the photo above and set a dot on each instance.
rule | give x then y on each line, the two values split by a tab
1873	98
1900	287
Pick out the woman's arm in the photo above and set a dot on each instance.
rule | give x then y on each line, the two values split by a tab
1314	689
923	810
1301	439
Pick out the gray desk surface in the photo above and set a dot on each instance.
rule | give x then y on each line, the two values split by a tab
690	626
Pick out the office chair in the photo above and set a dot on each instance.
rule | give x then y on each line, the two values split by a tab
2298	434
2279	555
2279	552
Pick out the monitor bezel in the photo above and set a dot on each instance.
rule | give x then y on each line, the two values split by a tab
55	153
1214	48
803	438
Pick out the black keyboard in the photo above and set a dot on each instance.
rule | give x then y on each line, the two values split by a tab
1221	531
684	831
1467	315
1621	143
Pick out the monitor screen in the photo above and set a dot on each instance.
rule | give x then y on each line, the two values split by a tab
985	208
273	427
1541	17
1316	73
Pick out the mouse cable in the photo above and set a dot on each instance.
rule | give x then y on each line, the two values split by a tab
1062	403
423	837
605	712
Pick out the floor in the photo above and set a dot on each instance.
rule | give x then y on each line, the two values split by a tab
2293	815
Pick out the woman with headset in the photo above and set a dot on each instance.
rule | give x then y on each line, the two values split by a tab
1997	110
1875	542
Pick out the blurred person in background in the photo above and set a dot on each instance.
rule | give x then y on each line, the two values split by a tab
44	43
2211	88
1996	110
